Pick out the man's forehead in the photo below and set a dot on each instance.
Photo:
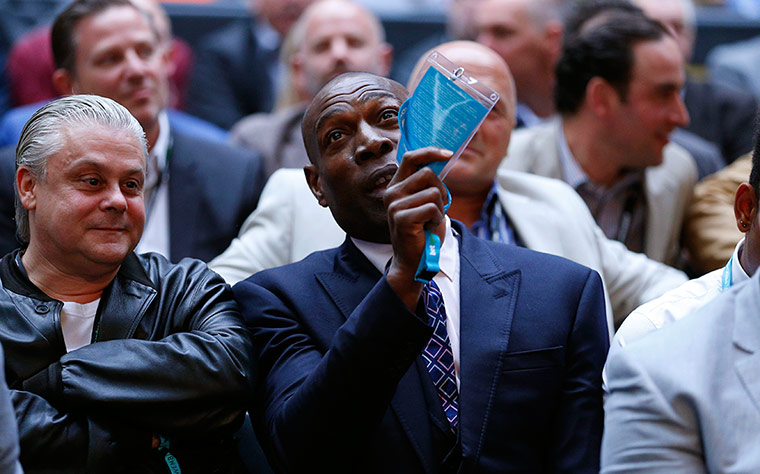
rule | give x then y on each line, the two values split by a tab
353	90
100	28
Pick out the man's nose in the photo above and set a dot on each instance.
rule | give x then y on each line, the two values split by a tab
135	64
678	113
372	142
113	199
339	49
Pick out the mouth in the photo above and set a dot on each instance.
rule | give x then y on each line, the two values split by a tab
378	180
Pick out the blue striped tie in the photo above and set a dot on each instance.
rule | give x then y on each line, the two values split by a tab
438	356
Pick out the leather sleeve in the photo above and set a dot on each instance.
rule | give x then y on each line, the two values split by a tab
195	379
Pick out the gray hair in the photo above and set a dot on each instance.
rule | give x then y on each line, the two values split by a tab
43	136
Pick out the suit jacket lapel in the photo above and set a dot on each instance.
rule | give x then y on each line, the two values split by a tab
488	297
747	339
352	278
184	201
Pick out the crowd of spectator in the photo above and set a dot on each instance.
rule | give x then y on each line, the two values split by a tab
213	260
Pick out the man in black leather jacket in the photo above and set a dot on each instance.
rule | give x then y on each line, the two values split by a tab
116	362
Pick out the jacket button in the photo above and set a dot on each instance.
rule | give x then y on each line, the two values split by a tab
42	308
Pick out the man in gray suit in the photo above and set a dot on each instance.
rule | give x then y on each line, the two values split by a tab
686	398
618	92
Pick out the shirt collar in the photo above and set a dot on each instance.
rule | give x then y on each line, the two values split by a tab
576	177
738	274
380	254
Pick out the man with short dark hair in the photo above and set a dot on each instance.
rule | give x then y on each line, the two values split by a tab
197	192
618	92
352	368
116	362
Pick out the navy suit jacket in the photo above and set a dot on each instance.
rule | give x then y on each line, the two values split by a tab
343	387
213	187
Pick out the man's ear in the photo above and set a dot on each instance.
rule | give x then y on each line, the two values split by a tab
63	82
601	96
26	185
385	58
315	184
745	207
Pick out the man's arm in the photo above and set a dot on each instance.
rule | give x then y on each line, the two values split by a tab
320	408
196	378
632	278
578	428
643	432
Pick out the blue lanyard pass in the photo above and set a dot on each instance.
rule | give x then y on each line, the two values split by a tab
445	110
429	263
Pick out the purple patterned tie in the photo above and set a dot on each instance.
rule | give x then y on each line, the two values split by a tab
438	356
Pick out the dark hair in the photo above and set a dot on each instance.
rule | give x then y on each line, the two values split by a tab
602	46
62	35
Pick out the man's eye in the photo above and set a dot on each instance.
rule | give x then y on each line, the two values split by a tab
389	114
92	181
334	136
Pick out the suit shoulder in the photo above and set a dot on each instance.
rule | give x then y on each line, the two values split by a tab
535	263
211	150
285	275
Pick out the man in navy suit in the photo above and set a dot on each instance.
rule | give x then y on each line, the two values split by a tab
197	192
345	340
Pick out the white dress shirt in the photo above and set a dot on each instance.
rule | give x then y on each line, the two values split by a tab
447	280
155	237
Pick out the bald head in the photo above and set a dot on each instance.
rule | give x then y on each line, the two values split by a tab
678	16
333	37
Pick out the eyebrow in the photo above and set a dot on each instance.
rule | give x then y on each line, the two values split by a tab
363	97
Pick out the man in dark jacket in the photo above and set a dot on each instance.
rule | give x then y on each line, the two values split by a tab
116	362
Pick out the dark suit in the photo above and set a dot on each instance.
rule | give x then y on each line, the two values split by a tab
723	115
230	77
213	188
343	388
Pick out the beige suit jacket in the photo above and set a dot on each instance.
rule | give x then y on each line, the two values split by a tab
668	186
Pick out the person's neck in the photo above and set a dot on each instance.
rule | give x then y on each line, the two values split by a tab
466	208
151	135
55	281
746	260
591	151
539	97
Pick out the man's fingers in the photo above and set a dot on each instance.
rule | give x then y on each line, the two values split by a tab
415	159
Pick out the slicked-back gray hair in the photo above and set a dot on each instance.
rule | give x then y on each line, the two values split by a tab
44	135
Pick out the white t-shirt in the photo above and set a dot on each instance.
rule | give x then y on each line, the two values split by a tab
76	323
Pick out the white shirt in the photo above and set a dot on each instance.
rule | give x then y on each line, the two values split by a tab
77	322
447	280
676	303
155	237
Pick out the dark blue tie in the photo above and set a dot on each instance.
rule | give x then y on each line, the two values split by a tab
438	356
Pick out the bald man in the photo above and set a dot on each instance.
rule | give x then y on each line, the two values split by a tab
518	208
331	37
365	369
527	34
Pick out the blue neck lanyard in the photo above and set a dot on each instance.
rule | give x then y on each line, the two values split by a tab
728	276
